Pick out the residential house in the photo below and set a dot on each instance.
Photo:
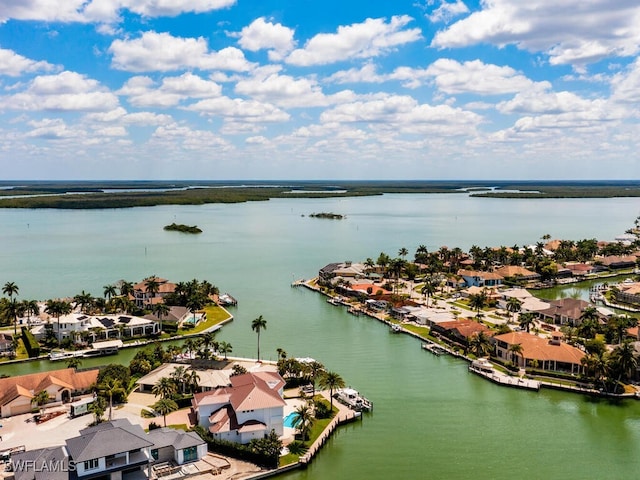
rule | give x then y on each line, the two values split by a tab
459	331
566	311
474	278
615	262
176	446
517	273
628	293
346	270
75	325
579	269
17	393
250	408
208	378
113	450
530	303
143	298
539	352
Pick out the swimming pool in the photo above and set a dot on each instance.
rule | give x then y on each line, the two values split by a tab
289	420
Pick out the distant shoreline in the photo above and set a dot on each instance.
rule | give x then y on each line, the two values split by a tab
127	194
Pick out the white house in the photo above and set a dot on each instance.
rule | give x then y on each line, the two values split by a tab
250	408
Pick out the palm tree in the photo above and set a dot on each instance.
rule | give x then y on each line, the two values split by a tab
477	301
193	381
111	387
331	380
208	341
514	305
403	252
428	289
179	377
57	308
152	285
303	420
98	407
161	310
83	300
313	371
515	349
225	348
74	362
10	289
624	360
31	307
14	309
480	345
190	345
526	320
126	288
164	407
40	398
257	325
164	388
109	292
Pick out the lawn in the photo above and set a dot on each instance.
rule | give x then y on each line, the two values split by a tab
215	315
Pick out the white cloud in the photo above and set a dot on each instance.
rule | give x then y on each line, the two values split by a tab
163	52
372	38
14	65
405	115
51	129
142	91
66	91
174	135
101	10
447	10
626	85
570	31
138	118
263	35
239	109
286	91
452	77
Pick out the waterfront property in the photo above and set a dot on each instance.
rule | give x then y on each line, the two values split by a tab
145	296
516	273
567	311
473	278
17	393
250	408
208	378
537	352
459	331
113	450
6	343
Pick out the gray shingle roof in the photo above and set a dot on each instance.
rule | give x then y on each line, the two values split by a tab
163	437
48	464
105	439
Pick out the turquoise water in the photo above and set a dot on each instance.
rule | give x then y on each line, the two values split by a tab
432	419
289	420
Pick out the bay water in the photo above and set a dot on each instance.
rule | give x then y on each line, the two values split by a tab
431	418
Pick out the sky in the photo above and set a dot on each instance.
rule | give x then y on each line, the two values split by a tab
304	89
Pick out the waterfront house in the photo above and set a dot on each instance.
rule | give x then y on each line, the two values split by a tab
345	270
78	325
530	303
616	262
250	408
459	331
566	311
143	298
474	278
628	293
17	393
113	450
578	269
539	352
208	378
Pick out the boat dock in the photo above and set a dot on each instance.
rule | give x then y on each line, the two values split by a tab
434	348
485	369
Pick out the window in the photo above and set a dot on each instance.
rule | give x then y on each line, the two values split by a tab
91	464
154	453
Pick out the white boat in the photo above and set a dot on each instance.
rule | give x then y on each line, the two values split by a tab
64	355
352	399
395	328
433	348
482	366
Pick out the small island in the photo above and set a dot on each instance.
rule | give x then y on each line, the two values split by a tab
174	227
329	215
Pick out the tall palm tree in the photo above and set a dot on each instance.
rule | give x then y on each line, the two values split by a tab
57	308
164	388
152	285
257	325
208	342
161	310
477	301
14	309
83	300
514	305
111	387
515	349
109	292
31	307
313	371
428	289
10	289
164	407
624	360
193	381
179	377
190	345
526	319
403	252
126	288
332	381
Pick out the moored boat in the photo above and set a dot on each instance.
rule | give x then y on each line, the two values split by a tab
352	399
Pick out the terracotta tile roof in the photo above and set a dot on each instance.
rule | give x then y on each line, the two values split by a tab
465	328
14	392
477	273
35	382
538	348
515	270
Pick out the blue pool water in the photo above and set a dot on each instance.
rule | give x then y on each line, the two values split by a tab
289	419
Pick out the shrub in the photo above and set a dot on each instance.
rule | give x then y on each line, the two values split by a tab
30	343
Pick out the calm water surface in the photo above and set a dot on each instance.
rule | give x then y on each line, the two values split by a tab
432	419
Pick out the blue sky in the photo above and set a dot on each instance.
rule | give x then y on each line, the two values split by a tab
302	89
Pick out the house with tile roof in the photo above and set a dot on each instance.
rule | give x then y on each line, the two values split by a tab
475	278
539	352
144	298
250	408
628	293
566	311
17	393
459	331
516	272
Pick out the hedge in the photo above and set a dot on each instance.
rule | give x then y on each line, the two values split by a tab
30	343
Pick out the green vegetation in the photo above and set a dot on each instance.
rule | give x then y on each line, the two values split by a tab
30	343
175	227
182	193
